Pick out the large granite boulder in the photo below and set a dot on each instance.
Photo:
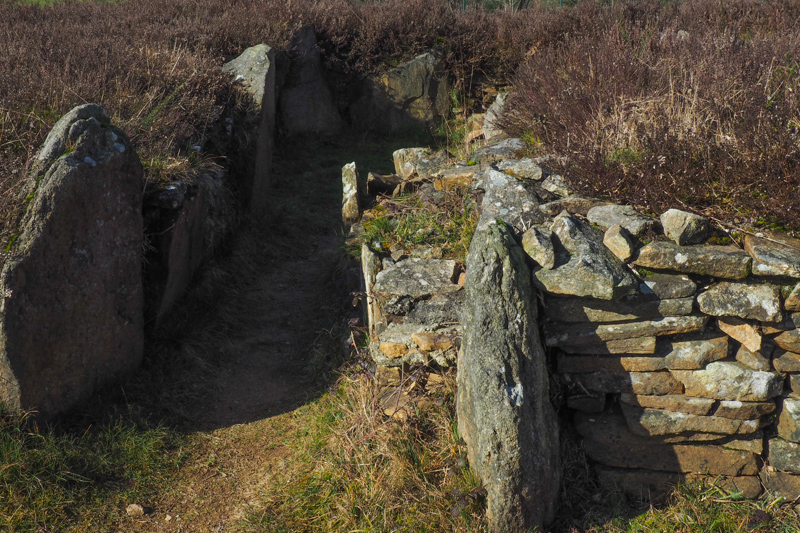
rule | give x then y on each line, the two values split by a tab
254	71
306	103
504	411
410	95
71	317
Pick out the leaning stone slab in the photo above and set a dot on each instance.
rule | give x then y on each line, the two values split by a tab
789	420
254	70
744	300
351	211
417	278
725	262
668	286
586	334
727	380
71	298
746	333
503	407
507	199
784	455
538	244
637	346
654	422
577	364
789	340
591	269
684	228
671	402
641	383
626	216
523	169
744	410
588	310
772	258
608	441
574	205
693	351
619	241
781	484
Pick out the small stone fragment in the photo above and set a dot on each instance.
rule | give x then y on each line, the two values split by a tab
684	228
134	510
668	286
744	300
618	240
387	376
749	335
393	350
396	403
626	216
754	360
784	361
792	302
789	340
538	244
654	422
671	402
428	342
744	410
641	383
727	380
727	262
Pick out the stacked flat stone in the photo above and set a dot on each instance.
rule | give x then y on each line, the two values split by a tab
675	367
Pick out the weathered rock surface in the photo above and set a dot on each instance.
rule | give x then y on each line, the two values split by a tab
771	258
746	333
556	185
784	361
744	300
781	484
507	199
490	126
590	270
619	241
255	71
577	364
586	334
451	179
504	412
744	410
399	344
727	380
784	455
306	102
725	262
522	169
608	441
575	205
653	422
410	95
370	266
641	383
754	360
417	278
693	351
671	402
789	340
667	286
351	211
789	420
505	149
753	443
71	317
419	163
626	216
587	310
792	302
641	345
684	228
538	244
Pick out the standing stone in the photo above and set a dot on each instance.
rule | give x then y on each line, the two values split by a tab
490	126
306	102
684	228
504	411
744	300
254	70
350	194
71	317
370	266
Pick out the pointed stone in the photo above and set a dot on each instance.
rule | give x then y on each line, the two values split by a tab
792	302
744	300
754	360
726	380
727	262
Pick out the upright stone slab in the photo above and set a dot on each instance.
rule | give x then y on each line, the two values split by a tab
254	70
351	211
71	311
504	412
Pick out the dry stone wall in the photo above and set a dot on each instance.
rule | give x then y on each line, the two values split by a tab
677	347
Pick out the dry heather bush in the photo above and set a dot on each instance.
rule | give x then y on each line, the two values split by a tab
692	104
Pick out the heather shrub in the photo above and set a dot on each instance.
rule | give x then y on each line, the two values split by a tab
690	104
